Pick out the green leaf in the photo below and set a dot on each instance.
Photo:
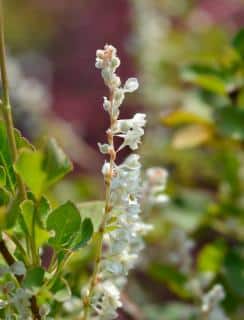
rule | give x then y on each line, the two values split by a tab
206	77
2	176
84	235
65	221
56	163
34	279
211	257
43	210
175	280
13	212
93	210
4	196
233	271
5	157
29	166
238	42
22	142
5	153
39	170
27	210
230	122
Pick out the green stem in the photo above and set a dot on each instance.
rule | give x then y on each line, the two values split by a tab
8	119
35	257
5	104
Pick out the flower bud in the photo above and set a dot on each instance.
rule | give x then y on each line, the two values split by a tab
131	85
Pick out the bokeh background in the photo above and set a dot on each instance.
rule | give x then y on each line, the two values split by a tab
191	87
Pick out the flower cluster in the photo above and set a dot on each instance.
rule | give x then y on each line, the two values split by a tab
14	300
154	186
121	228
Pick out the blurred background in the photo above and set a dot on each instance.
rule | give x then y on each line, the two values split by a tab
189	58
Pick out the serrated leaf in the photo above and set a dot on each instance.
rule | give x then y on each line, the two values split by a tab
22	142
84	235
93	210
65	221
34	279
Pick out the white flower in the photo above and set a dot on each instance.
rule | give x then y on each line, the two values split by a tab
157	175
160	199
104	148
106	169
131	130
154	186
106	300
131	85
106	104
123	242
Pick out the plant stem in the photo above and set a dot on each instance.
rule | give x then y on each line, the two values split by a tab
8	118
5	104
101	230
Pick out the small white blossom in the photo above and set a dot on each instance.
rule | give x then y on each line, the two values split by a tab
131	85
154	186
106	104
131	130
104	148
106	169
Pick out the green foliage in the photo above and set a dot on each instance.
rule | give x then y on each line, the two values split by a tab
65	221
34	279
238	43
40	169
